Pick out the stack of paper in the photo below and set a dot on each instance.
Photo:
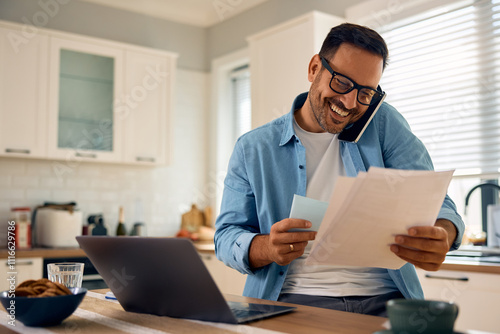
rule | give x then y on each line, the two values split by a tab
365	213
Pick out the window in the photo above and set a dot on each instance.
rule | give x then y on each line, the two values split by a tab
444	77
240	87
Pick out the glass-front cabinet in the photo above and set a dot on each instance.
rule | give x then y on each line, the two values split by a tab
75	98
85	80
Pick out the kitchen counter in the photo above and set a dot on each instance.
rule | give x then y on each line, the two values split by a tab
476	265
456	263
45	253
201	246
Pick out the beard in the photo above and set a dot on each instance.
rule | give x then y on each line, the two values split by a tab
321	111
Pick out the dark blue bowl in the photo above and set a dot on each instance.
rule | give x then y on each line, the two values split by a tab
42	311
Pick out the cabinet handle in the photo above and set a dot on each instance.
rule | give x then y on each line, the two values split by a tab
145	159
86	155
13	150
461	278
21	263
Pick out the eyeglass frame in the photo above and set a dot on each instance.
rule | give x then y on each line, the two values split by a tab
374	99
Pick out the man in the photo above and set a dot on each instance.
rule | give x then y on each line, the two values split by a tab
299	153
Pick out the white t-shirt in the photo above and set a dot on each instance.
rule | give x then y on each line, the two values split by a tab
324	165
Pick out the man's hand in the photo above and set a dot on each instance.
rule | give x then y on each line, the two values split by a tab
279	245
426	246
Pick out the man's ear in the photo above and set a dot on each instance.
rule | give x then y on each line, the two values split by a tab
314	68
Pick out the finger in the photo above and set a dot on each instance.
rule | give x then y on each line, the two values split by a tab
295	247
431	232
289	223
292	237
425	244
286	255
424	265
418	256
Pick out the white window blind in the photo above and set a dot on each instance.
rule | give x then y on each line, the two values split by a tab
444	77
240	82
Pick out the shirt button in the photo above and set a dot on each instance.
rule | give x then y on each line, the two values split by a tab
282	273
301	166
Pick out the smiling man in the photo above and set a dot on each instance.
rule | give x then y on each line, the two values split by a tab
300	153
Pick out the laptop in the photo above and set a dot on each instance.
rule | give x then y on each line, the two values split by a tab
166	277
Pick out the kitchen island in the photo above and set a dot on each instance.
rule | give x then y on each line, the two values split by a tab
99	315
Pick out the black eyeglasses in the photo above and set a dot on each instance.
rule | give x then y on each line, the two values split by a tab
341	84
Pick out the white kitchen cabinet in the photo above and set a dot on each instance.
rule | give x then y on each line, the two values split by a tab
85	78
76	98
145	106
23	92
476	294
227	279
279	58
26	268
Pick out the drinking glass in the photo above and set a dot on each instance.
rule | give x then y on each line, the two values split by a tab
70	274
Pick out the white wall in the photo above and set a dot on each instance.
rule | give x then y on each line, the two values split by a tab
165	192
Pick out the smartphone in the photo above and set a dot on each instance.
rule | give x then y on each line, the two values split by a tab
354	132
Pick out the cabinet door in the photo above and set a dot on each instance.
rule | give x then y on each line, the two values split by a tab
85	81
22	268
476	294
145	107
227	279
23	93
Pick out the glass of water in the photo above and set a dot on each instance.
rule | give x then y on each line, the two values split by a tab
69	274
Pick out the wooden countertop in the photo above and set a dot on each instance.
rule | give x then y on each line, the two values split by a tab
98	315
45	252
472	266
202	247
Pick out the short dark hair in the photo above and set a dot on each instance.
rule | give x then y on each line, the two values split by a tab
357	35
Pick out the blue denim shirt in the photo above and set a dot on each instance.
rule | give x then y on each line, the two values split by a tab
268	166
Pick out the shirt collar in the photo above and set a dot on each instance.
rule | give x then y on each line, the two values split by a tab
288	131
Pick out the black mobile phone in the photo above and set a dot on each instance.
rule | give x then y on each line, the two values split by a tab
353	133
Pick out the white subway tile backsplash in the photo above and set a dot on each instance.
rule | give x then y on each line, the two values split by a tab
52	182
25	181
77	183
13	167
86	196
88	170
40	195
5	180
64	196
109	196
12	194
4	206
39	169
100	183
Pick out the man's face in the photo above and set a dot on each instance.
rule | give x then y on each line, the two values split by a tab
330	111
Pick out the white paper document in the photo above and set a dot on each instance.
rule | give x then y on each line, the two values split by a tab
365	213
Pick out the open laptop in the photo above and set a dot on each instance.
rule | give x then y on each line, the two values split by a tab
166	276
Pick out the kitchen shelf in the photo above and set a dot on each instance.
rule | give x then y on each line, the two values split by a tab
87	79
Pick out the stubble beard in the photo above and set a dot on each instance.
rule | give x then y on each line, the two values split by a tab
321	112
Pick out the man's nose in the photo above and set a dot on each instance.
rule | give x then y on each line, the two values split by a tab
350	100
